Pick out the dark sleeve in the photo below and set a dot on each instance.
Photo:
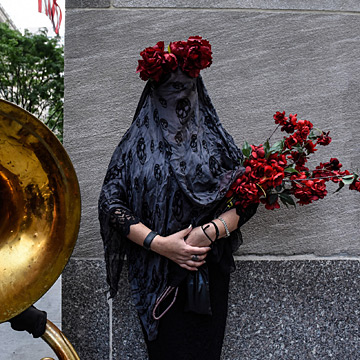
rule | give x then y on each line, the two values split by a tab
247	214
121	218
32	320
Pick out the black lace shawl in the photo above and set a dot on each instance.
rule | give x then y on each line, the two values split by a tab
172	167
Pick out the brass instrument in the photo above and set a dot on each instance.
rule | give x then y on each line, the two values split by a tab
39	215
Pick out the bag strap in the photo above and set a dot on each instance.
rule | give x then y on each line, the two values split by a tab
161	298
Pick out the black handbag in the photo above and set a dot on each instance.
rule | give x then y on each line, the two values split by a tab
196	285
198	295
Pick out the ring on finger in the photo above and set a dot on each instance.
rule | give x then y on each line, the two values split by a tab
195	258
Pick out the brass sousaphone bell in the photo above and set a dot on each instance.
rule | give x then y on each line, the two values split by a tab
39	216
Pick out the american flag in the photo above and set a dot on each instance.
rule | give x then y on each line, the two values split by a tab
53	11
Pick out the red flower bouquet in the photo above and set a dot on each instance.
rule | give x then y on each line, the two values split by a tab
191	56
279	172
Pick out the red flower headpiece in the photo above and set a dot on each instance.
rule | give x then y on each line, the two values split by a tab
191	56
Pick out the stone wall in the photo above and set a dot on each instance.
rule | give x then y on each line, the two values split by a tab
295	292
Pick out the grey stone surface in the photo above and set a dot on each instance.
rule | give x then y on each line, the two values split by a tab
263	62
128	342
85	311
303	310
70	4
337	5
20	345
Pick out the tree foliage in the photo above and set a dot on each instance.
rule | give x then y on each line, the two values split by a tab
32	74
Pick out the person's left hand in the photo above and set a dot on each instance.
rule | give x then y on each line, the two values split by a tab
198	238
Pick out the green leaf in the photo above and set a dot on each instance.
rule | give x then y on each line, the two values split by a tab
347	179
284	202
272	198
341	185
266	147
277	147
246	149
290	170
285	197
299	148
312	135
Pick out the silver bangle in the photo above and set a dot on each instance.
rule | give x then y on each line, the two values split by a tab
225	226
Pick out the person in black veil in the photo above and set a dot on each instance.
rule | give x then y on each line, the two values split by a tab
162	205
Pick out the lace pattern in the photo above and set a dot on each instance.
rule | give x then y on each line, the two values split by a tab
121	219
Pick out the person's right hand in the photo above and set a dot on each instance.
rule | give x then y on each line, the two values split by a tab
176	249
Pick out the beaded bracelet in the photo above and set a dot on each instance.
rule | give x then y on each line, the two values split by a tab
148	240
225	226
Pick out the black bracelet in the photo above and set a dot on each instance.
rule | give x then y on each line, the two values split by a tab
148	240
216	230
202	228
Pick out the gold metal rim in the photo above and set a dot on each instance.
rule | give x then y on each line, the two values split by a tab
40	209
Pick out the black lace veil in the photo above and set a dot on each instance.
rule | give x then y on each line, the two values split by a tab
172	167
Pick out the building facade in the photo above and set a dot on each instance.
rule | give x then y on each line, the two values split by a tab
4	17
295	293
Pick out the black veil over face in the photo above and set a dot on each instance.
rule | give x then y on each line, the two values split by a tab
172	168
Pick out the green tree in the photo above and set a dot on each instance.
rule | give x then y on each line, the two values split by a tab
32	74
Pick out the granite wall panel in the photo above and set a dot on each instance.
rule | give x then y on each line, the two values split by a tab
71	4
263	62
85	311
303	310
128	342
333	5
297	56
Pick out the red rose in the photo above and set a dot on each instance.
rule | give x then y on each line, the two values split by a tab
245	192
290	125
291	141
304	127
192	56
355	185
272	206
310	147
307	190
331	170
151	65
198	57
324	139
179	48
194	40
248	194
170	62
333	164
280	118
279	158
257	151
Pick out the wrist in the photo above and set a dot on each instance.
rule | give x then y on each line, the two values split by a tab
147	244
156	244
210	232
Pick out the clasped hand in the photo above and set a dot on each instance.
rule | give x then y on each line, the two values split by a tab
187	247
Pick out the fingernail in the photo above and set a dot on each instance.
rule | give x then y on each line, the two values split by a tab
189	226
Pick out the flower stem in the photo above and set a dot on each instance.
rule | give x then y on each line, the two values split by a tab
268	139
